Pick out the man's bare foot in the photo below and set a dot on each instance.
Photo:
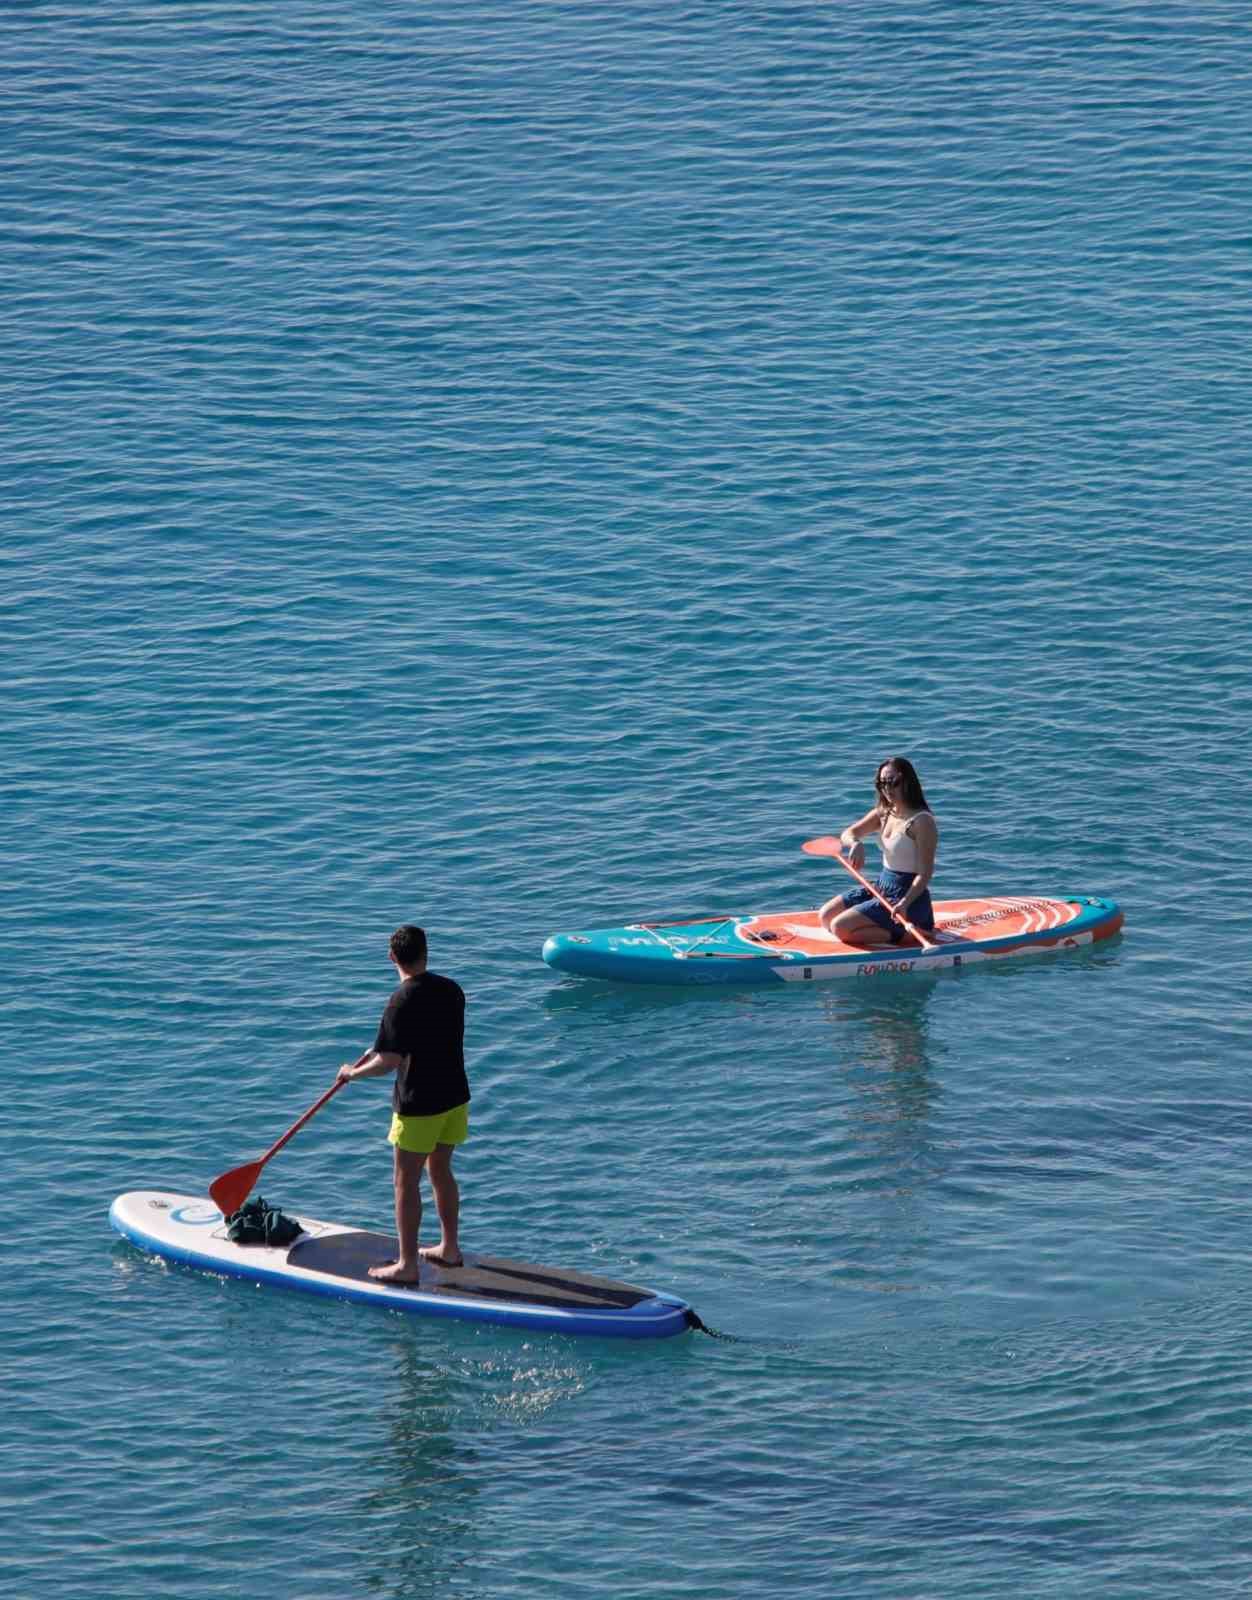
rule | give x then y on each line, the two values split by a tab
395	1272
435	1256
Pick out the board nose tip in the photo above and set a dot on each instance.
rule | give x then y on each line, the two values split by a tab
572	952
557	950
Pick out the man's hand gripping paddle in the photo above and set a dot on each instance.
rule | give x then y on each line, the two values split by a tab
829	845
230	1191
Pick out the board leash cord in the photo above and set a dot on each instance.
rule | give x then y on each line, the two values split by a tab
698	1325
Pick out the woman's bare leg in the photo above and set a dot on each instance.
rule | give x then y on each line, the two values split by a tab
853	928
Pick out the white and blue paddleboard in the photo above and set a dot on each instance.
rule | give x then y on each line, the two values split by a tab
329	1259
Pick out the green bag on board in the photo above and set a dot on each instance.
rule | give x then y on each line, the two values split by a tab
258	1222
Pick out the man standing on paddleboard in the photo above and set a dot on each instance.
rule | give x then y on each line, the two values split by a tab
421	1039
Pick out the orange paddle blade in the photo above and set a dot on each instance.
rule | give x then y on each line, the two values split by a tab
230	1191
827	845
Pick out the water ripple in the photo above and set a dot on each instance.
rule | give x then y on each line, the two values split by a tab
521	470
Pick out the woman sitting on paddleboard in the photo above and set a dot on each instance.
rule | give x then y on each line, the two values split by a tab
910	837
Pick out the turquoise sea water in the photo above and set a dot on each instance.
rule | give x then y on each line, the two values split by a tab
519	467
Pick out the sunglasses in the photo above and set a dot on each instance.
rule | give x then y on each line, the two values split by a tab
890	783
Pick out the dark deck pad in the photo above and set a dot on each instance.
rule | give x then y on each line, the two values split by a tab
351	1255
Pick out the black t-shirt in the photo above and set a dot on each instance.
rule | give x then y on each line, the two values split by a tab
425	1023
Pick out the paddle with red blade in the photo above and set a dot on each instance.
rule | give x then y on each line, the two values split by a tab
829	845
230	1191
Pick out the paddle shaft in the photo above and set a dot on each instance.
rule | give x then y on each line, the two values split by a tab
835	850
300	1121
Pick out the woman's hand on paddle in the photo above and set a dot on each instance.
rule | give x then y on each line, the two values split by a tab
856	855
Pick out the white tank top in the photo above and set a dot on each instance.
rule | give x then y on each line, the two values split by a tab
900	852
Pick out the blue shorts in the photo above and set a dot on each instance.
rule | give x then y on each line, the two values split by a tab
891	885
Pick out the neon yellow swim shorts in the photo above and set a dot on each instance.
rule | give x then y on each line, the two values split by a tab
420	1135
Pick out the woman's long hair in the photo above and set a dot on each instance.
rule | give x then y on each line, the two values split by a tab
913	796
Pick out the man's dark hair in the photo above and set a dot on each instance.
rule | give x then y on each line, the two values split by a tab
408	945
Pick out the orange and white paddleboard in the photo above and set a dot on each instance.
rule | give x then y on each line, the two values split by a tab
793	947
